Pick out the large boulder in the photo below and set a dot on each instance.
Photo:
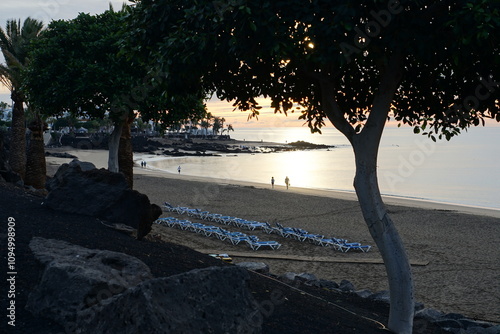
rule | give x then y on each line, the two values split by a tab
83	182
78	187
133	209
210	300
259	267
76	278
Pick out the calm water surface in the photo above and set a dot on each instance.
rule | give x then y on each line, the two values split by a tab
465	170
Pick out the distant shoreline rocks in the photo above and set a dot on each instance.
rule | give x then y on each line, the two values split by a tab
189	147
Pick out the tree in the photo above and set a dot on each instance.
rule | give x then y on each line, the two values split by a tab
218	124
14	42
36	168
3	108
77	68
206	123
141	125
222	121
229	128
429	64
65	121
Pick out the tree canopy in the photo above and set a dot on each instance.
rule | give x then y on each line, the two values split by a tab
15	41
74	67
448	54
78	67
428	64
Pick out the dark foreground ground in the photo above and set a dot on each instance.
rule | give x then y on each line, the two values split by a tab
300	309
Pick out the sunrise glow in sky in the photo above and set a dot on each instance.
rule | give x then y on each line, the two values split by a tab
47	10
239	119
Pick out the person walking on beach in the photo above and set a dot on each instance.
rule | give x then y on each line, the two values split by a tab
142	164
179	169
272	182
287	182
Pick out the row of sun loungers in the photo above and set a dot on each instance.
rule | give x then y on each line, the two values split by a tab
209	230
318	239
286	232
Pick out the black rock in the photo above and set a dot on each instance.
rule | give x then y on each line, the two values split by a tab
363	293
288	277
382	296
211	300
259	267
77	188
328	284
76	278
347	286
60	155
428	314
5	171
306	277
133	209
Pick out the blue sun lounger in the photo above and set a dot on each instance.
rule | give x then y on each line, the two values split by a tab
168	207
269	229
255	244
355	246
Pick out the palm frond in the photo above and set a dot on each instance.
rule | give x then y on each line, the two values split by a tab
5	77
14	43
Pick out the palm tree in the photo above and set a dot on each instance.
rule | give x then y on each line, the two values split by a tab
36	168
125	151
14	43
229	128
217	125
205	123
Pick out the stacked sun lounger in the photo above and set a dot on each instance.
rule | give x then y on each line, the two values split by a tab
318	239
215	217
287	232
210	230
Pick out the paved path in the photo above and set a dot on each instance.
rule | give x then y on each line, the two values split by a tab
306	258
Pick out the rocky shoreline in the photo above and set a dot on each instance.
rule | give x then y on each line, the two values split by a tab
201	147
191	147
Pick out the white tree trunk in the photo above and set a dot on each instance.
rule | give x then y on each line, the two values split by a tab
113	145
381	227
386	237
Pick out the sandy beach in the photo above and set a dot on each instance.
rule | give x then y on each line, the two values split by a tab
453	249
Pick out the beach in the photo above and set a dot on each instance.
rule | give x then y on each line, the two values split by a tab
453	249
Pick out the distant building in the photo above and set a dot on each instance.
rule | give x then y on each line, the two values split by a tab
6	114
81	130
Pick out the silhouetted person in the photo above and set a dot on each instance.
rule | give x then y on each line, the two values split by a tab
287	182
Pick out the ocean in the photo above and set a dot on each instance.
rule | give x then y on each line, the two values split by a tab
464	170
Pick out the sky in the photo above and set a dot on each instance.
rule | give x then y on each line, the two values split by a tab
47	10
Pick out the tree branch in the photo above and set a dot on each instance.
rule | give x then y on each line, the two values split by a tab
333	111
389	83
